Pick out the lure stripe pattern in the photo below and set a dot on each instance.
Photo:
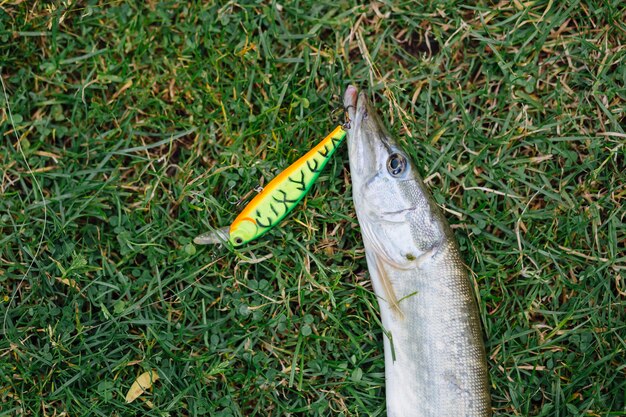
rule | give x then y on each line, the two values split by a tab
284	192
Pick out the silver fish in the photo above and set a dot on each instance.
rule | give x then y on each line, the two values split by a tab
435	362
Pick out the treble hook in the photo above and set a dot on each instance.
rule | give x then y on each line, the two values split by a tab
258	189
346	124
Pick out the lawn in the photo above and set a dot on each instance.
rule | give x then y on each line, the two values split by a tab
128	128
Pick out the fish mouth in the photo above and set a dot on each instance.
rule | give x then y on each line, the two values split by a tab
350	99
368	140
361	115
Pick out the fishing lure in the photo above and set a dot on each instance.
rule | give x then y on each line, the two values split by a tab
279	197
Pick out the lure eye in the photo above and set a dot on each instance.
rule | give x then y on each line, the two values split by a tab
396	164
237	240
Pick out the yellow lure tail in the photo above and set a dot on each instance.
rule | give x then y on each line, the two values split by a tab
279	197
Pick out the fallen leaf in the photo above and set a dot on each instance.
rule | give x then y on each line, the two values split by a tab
141	384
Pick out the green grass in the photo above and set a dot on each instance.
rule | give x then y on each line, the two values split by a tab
136	127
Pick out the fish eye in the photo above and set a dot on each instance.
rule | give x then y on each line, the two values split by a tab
396	164
238	240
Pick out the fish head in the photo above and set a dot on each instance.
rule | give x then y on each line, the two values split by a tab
399	220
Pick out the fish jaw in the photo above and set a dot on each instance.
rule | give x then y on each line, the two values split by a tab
367	137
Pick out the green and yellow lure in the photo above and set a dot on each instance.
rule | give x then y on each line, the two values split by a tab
279	197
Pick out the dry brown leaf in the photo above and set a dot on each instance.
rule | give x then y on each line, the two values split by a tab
141	384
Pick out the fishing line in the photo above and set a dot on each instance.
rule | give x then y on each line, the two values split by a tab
38	188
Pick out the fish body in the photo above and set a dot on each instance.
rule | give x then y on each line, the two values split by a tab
435	363
279	197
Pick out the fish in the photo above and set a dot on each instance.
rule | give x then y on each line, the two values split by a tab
435	360
279	197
